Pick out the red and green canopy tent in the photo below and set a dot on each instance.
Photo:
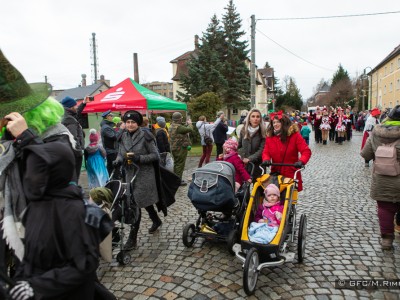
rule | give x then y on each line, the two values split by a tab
129	95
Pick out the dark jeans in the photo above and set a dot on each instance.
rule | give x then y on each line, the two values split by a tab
206	155
110	158
307	139
220	150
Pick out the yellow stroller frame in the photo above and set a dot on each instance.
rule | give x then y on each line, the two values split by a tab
256	256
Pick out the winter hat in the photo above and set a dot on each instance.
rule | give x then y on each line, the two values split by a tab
93	137
116	120
305	123
272	189
101	194
68	102
133	115
230	145
375	112
394	114
161	122
220	113
176	116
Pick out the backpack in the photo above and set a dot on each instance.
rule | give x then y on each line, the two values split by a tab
386	162
207	139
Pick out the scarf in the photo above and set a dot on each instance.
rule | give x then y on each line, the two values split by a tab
232	153
252	130
277	132
12	198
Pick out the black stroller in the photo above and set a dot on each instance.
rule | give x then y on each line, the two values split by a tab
220	209
124	211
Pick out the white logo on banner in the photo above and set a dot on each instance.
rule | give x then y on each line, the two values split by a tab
114	96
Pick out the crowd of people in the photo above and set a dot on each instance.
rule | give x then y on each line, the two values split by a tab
43	147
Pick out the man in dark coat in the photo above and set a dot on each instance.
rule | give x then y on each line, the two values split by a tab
109	137
71	122
220	134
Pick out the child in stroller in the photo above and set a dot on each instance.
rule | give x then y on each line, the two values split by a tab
268	217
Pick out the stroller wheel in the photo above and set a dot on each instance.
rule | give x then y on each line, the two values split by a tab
301	239
189	235
250	274
123	258
231	240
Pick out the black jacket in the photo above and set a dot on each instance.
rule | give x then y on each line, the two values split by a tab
70	121
61	250
109	136
220	133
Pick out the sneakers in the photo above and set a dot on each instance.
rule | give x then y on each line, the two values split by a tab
387	242
155	226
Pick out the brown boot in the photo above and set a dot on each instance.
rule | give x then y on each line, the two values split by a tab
387	241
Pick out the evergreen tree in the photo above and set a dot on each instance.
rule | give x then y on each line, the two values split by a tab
205	70
237	94
341	74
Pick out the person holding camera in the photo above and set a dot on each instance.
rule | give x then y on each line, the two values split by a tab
138	154
206	134
70	120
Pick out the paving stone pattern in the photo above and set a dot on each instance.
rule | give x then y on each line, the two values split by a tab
342	243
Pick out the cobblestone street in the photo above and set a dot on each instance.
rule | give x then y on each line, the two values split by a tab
342	243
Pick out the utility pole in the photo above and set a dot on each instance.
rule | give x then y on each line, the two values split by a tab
253	64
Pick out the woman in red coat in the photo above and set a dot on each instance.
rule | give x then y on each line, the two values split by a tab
283	145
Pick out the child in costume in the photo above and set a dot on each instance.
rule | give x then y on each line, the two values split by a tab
340	126
268	217
95	156
230	155
325	125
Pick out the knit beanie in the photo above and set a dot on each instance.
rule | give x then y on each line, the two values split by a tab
230	145
93	137
161	122
68	102
272	189
100	194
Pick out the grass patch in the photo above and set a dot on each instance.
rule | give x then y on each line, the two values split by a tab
197	150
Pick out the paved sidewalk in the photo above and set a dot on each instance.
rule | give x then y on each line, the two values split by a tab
342	243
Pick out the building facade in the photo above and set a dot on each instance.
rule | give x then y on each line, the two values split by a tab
163	88
385	82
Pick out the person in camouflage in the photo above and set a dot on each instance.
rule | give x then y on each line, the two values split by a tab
179	141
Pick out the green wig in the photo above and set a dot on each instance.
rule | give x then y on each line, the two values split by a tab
47	114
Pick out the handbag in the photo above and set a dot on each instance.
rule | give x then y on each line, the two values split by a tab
207	139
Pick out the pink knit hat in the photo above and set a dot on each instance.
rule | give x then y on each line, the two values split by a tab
272	189
93	137
230	145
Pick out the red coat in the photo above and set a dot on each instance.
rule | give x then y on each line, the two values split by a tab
287	153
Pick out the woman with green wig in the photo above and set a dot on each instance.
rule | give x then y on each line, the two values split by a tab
60	253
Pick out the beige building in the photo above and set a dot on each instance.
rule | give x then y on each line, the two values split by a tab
163	88
385	82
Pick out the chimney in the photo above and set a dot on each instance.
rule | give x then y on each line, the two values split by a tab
83	80
135	68
196	42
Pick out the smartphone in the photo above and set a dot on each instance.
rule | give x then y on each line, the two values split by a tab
91	98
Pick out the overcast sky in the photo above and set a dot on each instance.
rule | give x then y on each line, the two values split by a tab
53	37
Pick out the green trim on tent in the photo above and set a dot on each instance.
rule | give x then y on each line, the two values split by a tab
158	102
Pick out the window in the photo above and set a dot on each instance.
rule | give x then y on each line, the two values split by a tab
391	67
391	87
234	111
384	90
398	84
398	63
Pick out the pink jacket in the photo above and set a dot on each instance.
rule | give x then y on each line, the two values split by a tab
241	174
264	212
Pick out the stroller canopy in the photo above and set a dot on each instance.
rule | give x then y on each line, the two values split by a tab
211	171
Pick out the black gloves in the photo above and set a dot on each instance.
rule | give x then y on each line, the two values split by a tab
116	163
298	164
266	163
21	291
136	159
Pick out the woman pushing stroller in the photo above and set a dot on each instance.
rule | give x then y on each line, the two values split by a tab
138	147
283	145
